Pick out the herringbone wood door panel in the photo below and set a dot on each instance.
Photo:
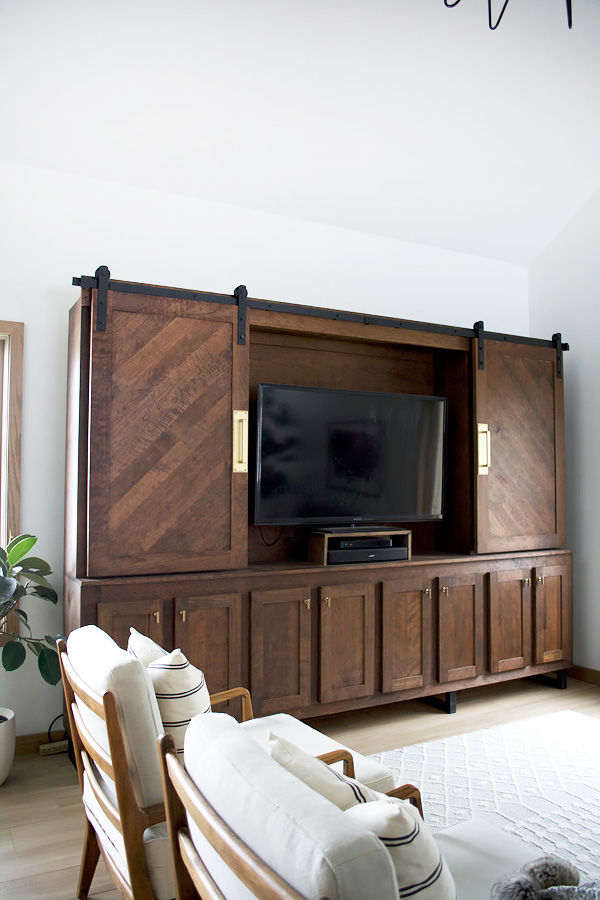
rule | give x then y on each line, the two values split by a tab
520	398
165	377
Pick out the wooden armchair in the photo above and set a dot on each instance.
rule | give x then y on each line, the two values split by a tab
113	803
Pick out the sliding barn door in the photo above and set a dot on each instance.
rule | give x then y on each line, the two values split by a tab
165	376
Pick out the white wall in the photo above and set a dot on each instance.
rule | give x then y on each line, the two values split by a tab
55	226
565	289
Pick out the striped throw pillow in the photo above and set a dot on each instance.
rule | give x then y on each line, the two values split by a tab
323	779
144	648
181	693
421	870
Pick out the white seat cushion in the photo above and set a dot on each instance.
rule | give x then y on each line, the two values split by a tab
156	846
478	854
368	771
306	839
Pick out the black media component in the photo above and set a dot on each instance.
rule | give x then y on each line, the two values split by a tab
365	555
326	456
360	543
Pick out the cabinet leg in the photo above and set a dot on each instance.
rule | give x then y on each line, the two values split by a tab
446	702
554	679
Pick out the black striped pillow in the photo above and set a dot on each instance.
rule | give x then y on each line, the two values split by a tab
324	779
421	870
181	693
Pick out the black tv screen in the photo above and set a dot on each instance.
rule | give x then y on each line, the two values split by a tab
329	456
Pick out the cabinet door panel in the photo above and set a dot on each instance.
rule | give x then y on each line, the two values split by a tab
346	641
280	634
510	620
146	616
165	377
406	627
553	637
520	502
460	627
208	630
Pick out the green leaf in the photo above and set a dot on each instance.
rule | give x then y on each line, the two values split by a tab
35	646
48	593
53	639
7	587
39	579
49	666
35	564
13	655
22	615
19	547
4	563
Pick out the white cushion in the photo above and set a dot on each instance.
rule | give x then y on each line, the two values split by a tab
104	666
156	846
316	774
420	868
181	692
144	648
478	853
368	771
306	839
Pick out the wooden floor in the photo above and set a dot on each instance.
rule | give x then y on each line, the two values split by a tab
41	818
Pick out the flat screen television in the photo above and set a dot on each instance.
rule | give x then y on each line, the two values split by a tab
341	457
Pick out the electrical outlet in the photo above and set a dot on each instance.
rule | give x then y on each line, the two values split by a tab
54	747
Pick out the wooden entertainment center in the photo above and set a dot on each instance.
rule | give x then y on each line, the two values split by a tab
158	530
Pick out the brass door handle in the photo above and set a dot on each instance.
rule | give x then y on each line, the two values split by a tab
182	613
428	592
307	603
527	581
540	579
327	601
444	590
157	617
484	449
240	440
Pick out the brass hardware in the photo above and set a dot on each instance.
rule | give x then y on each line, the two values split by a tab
527	582
182	613
240	440
157	617
484	449
307	603
327	601
428	592
540	579
444	590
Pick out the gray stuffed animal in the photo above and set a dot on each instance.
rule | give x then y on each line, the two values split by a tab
547	878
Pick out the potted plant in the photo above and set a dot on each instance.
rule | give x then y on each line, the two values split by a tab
21	576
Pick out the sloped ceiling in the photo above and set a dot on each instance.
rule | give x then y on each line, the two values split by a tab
396	117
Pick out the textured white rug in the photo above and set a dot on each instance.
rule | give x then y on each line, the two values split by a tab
538	779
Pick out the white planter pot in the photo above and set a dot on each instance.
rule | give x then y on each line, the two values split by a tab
7	742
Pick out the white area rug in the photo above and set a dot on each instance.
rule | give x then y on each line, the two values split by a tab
538	779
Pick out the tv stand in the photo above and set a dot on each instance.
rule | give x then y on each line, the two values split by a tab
158	534
334	546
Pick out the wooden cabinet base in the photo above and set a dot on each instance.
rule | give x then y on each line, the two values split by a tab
314	640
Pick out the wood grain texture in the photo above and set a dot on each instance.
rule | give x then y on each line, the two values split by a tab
460	626
166	376
346	642
209	631
280	649
406	622
520	502
510	634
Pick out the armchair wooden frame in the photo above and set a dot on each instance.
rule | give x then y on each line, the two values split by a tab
192	878
129	818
